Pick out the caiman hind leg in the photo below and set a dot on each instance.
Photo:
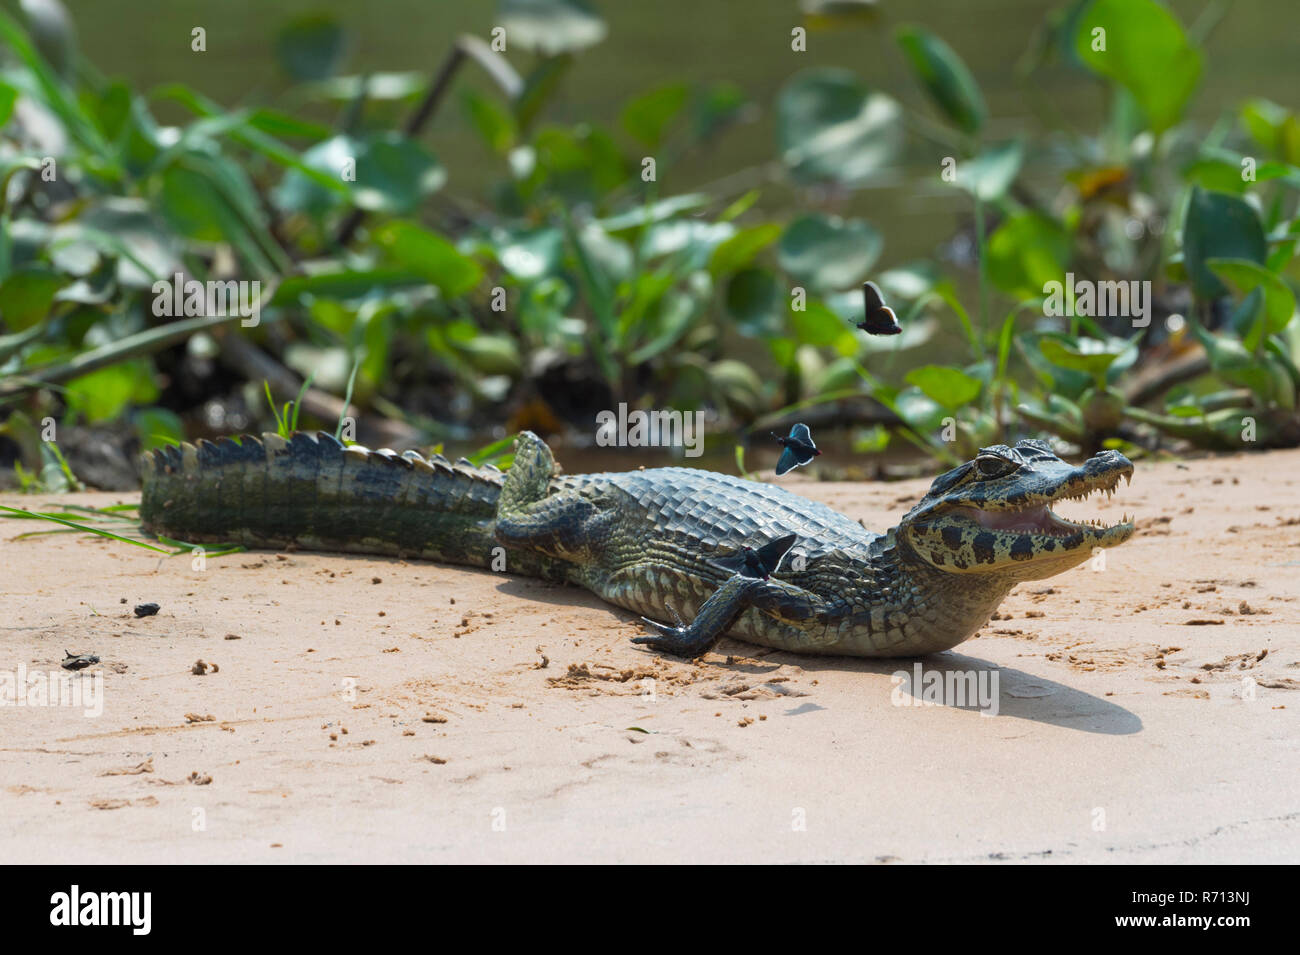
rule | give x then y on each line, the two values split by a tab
566	525
785	602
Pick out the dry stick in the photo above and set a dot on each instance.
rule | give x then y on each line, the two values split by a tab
1155	380
141	343
496	66
423	113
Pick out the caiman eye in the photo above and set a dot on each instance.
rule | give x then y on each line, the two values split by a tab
993	466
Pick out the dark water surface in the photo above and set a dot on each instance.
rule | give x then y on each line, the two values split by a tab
1252	52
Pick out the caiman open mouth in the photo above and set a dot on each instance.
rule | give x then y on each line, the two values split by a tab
1039	519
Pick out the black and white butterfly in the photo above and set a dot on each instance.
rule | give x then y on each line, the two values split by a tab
880	318
78	661
761	562
799	449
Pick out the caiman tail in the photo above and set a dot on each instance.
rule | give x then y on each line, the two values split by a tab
310	492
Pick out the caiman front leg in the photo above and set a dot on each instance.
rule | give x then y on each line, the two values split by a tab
785	602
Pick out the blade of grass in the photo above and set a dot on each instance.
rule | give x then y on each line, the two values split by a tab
82	527
347	398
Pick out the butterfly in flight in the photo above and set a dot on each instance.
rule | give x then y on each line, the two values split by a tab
799	449
760	563
880	318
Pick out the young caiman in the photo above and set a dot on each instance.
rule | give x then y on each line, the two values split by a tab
659	542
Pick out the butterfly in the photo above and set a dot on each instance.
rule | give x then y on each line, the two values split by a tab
880	319
78	661
799	449
760	563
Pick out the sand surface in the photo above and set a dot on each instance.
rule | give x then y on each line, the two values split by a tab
380	710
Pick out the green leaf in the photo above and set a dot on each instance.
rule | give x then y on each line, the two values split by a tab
1274	127
613	257
738	384
494	123
647	116
1146	52
739	250
250	134
193	206
392	174
1217	175
551	26
582	164
1088	355
1219	226
829	253
158	427
343	284
948	387
944	76
817	324
989	175
754	300
653	212
529	255
26	296
715	107
379	86
490	354
1279	300
1234	363
671	320
1027	251
920	411
310	48
102	395
599	293
124	228
539	86
831	128
428	254
829	14
209	197
8	96
492	452
53	91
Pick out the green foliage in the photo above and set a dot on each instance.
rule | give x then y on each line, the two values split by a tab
1144	49
450	310
1219	226
945	77
831	128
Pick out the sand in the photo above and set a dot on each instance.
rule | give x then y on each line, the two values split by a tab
380	710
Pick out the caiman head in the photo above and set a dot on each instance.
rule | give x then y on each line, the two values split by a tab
993	515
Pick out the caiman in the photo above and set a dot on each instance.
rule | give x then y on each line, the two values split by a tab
665	543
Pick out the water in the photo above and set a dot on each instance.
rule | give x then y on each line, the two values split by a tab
747	42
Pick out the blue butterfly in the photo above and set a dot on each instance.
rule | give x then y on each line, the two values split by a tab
799	449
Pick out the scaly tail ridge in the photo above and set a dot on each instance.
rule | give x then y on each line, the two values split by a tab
310	491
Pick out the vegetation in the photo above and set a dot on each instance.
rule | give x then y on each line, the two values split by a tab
573	284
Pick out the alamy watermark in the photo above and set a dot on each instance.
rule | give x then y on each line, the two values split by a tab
177	297
1107	299
74	907
651	429
957	688
52	688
